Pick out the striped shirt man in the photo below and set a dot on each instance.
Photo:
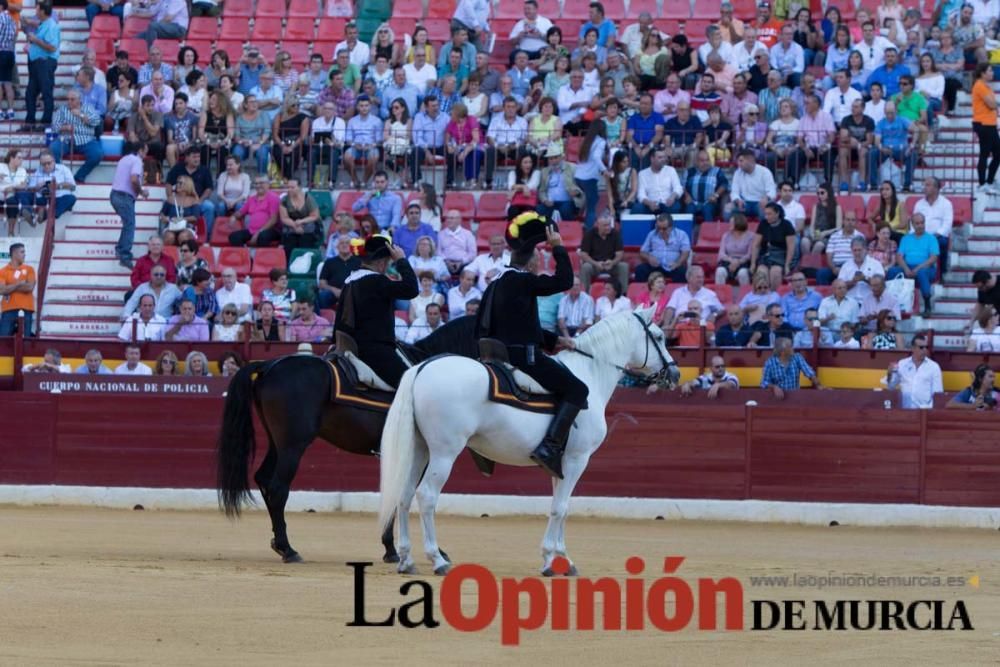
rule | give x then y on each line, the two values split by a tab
83	124
703	184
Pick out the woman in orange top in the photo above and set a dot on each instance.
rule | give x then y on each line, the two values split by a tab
984	124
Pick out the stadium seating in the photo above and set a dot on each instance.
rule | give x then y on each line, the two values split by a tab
257	287
266	30
346	199
464	202
134	26
413	9
491	206
710	236
266	259
676	9
488	229
242	10
315	260
223	227
636	7
269	9
202	28
303	9
235	258
106	26
234	30
207	253
299	29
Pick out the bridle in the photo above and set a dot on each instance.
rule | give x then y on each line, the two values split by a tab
661	377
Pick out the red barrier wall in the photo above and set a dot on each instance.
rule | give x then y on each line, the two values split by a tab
658	447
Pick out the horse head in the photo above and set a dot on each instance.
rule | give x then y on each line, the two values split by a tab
649	354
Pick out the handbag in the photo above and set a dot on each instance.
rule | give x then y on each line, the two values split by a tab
521	199
902	288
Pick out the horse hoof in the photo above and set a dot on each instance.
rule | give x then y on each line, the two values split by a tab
443	570
390	558
291	557
572	571
407	569
547	572
445	556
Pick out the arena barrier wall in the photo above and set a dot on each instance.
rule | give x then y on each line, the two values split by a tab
797	460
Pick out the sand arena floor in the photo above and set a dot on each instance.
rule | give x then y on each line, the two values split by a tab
89	586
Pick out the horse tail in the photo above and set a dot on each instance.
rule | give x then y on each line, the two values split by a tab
398	444
236	444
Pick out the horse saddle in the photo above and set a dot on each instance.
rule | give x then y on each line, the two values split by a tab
362	373
510	386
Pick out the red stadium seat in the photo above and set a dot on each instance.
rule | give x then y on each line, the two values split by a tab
512	9
106	26
463	201
867	229
550	9
724	292
402	25
303	9
411	9
572	234
234	30
203	47
440	10
854	203
676	9
492	206
438	29
267	30
136	49
104	50
266	259
267	50
203	28
962	207
578	9
695	29
710	236
706	260
237	10
299	51
808	201
257	287
345	200
221	230
488	229
233	49
173	252
635	292
205	251
636	7
300	29
744	10
170	48
812	260
134	26
235	258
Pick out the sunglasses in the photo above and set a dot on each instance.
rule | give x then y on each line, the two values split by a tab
159	275
167	362
777	314
920	347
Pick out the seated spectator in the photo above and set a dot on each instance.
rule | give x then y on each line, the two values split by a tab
92	94
645	133
884	336
827	220
461	294
980	395
557	189
602	253
970	35
611	301
622	185
847	341
877	301
857	132
655	295
985	336
772	328
201	293
793	210
665	250
838	247
693	289
154	257
735	332
892	142
734	253
51	363
787	57
430	128
782	369
666	101
268	327
522	185
165	294
753	304
660	190
42	180
308	327
93	364
751	134
838	308
133	363
718	136
166	364
76	123
334	272
917	258
425	325
489	265
269	96
195	89
545	130
170	21
714	381
783	140
196	365
686	327
145	324
576	311
229	329
805	337
180	212
145	126
464	144
203	183
427	295
457	244
815	137
260	217
753	186
14	190
939	216
683	135
505	139
917	377
232	188
154	65
858	271
705	188
301	226
189	262
651	62
684	61
289	134
775	245
279	295
185	326
230	363
799	300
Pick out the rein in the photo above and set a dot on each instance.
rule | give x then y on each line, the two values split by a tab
661	377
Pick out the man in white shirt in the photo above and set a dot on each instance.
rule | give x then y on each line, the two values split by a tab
633	35
872	47
573	100
576	311
236	293
794	212
917	377
426	325
360	52
877	301
461	294
753	186
742	54
939	216
660	189
694	290
148	325
838	308
858	271
838	100
715	44
133	363
419	73
788	57
490	265
507	134
528	34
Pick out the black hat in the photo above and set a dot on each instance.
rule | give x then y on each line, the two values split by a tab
374	247
526	231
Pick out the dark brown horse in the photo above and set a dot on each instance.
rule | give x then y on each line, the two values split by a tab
292	396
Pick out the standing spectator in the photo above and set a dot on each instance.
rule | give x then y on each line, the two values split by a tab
148	324
126	186
203	184
917	377
43	56
457	244
154	257
170	21
660	189
8	36
133	363
17	285
782	369
93	364
939	216
917	258
51	176
715	380
984	124
602	252
260	216
665	250
76	123
591	168
576	311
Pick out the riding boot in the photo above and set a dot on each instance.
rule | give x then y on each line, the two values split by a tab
549	453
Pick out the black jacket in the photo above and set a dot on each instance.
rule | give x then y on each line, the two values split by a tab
366	310
509	311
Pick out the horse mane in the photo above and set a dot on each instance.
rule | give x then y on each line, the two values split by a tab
456	336
611	333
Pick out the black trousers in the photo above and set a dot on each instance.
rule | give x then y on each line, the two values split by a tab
383	360
552	375
989	152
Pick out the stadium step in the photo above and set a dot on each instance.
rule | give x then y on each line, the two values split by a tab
103	206
953	306
96	265
73	250
109	234
974	260
956	292
76	279
106	327
86	311
85	295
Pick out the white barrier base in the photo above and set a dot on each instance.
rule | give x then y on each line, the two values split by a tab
753	511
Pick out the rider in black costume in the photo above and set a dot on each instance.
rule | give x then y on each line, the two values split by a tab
366	310
509	313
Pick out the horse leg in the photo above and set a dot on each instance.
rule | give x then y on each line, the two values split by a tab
554	543
420	457
428	493
265	472
280	484
390	548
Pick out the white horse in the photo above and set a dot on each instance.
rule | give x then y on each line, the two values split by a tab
442	405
